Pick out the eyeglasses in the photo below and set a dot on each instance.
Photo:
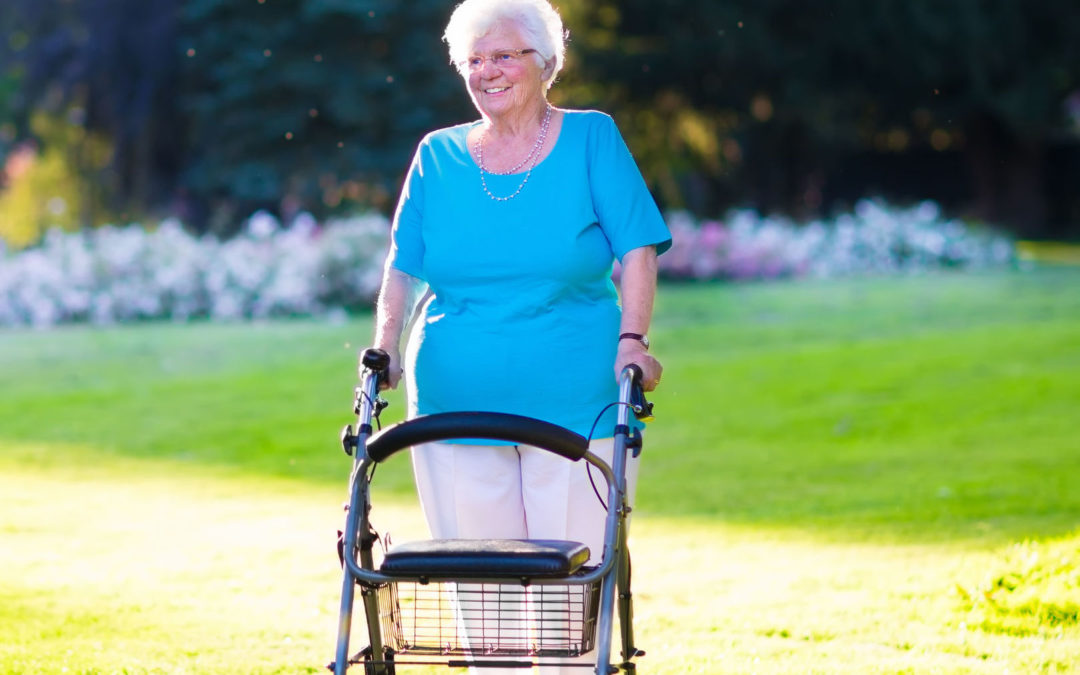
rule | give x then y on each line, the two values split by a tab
501	58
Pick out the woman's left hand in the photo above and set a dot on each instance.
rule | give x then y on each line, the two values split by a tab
632	351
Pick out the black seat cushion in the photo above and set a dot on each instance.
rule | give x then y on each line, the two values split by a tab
485	558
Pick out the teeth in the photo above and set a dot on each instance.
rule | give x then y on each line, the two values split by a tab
495	90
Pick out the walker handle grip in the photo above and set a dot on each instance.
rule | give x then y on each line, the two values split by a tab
642	408
377	361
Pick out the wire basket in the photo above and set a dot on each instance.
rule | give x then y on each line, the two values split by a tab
456	618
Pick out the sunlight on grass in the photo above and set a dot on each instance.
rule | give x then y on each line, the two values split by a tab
165	571
1033	589
868	476
150	567
145	567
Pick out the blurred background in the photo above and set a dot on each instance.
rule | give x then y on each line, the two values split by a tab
124	111
864	471
239	159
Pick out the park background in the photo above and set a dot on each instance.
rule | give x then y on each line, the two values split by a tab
865	457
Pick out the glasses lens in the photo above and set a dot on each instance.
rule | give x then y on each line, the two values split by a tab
503	57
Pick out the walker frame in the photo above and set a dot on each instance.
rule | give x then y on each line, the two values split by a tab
527	603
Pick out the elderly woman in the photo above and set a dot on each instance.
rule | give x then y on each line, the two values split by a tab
505	235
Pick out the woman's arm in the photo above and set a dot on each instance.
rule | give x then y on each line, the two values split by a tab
397	301
637	288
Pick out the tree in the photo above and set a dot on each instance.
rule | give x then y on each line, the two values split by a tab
764	101
213	108
311	103
109	67
218	107
11	41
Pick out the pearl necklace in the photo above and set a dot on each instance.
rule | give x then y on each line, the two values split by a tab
533	155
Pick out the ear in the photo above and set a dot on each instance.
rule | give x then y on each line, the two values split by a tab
549	67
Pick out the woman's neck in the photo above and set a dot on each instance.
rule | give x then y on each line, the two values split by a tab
510	126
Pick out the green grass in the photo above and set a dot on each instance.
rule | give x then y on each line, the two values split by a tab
867	476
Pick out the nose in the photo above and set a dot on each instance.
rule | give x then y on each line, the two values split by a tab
489	66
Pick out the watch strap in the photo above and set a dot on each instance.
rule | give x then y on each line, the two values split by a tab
635	336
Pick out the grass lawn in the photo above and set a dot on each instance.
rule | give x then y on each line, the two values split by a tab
862	476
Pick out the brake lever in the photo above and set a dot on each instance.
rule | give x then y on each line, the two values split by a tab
643	409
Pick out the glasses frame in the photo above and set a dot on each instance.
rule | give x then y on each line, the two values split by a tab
467	66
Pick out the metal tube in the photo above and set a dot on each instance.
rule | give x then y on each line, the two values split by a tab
358	500
348	582
626	602
613	547
625	384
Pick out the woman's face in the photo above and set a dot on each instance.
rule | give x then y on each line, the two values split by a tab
507	89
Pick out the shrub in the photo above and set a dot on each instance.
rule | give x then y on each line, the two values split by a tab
130	273
115	274
875	239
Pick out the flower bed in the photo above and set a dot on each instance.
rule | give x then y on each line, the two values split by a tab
114	274
875	239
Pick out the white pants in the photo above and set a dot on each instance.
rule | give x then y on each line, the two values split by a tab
515	492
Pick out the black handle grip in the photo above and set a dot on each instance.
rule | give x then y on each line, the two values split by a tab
487	425
377	361
643	409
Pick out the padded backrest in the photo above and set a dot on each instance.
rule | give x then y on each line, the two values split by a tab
477	425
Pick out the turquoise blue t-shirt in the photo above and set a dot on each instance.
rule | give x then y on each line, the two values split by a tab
524	317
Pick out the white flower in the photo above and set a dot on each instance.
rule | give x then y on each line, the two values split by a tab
262	225
121	273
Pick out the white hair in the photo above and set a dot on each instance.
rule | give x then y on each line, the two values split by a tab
538	22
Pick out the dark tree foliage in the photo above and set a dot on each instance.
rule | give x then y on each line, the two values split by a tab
807	91
108	65
217	107
9	77
311	103
11	41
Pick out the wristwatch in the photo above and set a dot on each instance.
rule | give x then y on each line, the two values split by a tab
643	339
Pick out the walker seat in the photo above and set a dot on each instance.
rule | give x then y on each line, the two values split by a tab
485	559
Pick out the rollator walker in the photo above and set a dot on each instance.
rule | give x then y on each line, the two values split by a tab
491	602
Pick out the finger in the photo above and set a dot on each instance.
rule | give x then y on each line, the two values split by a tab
653	377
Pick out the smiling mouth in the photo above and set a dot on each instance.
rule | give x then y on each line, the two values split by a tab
495	90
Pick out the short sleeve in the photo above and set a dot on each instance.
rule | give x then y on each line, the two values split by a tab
406	237
627	213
